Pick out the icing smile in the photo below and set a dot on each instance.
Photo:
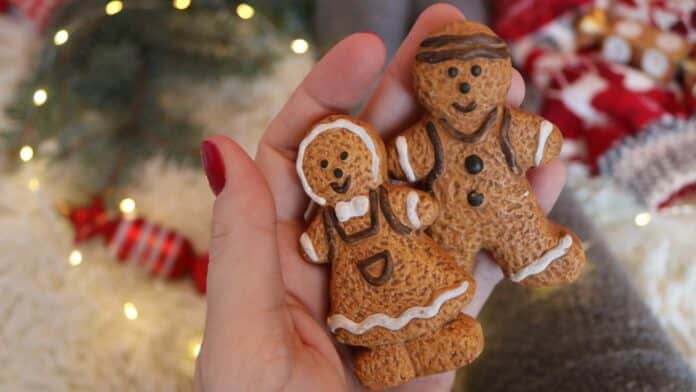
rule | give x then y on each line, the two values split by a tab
465	109
341	188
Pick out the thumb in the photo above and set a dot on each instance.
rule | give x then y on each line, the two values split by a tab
245	288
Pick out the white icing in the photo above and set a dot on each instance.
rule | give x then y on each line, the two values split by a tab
412	209
654	63
395	323
402	152
637	81
341	123
525	194
544	131
629	29
669	42
357	206
308	247
616	49
545	260
578	96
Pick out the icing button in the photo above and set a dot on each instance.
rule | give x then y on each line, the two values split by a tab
475	198
473	164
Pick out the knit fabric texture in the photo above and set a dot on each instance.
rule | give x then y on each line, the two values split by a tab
594	335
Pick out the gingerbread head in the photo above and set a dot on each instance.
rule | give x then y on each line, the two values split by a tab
339	159
462	72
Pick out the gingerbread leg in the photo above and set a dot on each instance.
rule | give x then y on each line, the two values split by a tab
551	255
384	366
457	344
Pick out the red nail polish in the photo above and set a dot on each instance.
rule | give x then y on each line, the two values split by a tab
214	166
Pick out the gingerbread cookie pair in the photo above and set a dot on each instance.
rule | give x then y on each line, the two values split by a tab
401	256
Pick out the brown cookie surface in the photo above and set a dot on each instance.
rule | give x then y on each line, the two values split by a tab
391	284
471	151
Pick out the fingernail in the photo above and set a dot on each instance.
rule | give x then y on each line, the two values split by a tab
214	166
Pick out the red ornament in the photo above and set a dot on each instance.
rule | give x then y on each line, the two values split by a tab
199	270
151	247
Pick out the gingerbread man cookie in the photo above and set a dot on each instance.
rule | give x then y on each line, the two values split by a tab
471	151
394	291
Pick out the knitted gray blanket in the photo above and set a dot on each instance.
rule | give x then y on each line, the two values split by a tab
595	335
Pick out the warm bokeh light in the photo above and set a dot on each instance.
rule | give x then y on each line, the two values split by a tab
75	258
299	46
127	205
130	311
114	7
40	97
181	4
194	347
642	219
61	37
26	153
245	11
33	184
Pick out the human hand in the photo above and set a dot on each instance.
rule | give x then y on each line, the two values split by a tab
265	326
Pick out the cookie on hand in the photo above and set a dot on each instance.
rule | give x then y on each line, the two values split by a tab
471	150
394	292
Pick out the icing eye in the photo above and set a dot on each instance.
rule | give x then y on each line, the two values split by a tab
464	88
452	72
476	70
324	163
344	155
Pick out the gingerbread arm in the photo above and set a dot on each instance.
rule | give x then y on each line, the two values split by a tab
314	242
413	208
411	154
530	140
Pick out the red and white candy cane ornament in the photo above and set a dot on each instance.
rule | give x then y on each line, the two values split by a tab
149	246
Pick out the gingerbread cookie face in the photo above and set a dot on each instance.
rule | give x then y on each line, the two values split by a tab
462	72
339	160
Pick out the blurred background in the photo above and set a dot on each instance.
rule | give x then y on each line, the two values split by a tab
104	211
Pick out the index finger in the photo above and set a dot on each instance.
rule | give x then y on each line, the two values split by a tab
335	85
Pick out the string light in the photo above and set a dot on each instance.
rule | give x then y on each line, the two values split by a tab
40	97
113	7
127	206
181	4
299	46
130	311
33	184
245	11
75	259
642	219
26	153
61	37
194	347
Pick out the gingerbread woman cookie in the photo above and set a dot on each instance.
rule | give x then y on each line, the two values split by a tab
394	291
471	151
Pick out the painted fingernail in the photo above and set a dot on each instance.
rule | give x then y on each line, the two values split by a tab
214	166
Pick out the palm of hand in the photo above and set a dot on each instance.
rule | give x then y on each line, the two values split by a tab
266	306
